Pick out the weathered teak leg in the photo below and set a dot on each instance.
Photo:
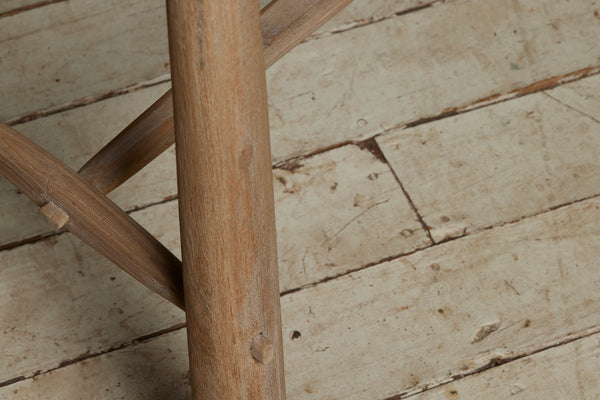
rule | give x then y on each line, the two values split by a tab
226	200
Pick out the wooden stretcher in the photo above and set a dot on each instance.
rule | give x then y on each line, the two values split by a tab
216	114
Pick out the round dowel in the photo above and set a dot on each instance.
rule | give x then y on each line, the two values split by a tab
226	206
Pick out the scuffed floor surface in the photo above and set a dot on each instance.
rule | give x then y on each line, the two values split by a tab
436	174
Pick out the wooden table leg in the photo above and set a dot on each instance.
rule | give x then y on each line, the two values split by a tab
226	205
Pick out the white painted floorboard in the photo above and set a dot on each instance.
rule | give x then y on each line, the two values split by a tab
372	307
402	326
496	164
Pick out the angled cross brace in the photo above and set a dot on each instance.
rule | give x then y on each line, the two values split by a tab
69	201
284	24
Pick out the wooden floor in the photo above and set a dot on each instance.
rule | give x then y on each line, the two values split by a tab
437	183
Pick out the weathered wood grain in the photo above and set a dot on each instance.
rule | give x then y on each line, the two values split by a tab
565	372
363	12
72	53
403	325
285	23
226	202
147	137
61	300
305	258
496	164
483	52
10	7
570	290
85	129
158	181
66	199
447	310
163	361
264	3
67	52
82	131
337	212
438	60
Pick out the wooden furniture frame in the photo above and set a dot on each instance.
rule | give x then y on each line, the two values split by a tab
228	281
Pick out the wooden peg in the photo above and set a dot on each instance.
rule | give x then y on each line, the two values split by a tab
65	198
262	349
56	215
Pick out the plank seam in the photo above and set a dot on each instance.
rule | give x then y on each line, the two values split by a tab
85	101
493	362
500	360
570	107
369	21
161	79
294	163
408	198
86	356
465	234
29	7
536	87
290	162
541	86
37	238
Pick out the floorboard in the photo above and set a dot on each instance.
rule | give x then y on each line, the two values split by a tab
563	372
89	305
402	326
496	164
441	60
435	173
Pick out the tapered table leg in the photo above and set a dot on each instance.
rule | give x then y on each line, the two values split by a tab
226	199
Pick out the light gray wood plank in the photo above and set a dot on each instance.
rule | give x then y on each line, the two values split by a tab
377	198
65	52
565	372
117	375
363	12
337	212
404	325
61	300
444	58
448	310
85	129
70	53
496	164
123	45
